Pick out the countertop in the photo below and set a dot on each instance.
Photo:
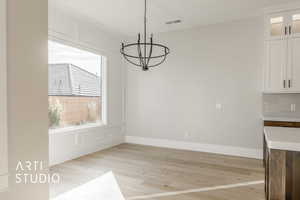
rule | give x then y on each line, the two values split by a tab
281	119
280	138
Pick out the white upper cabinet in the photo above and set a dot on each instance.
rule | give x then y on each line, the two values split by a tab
293	59
293	66
295	24
275	71
276	26
282	52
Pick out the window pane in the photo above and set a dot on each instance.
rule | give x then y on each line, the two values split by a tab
74	86
276	26
296	23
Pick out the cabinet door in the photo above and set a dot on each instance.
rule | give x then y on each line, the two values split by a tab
276	26
275	67
294	65
294	24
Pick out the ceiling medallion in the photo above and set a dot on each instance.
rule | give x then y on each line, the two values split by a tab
145	57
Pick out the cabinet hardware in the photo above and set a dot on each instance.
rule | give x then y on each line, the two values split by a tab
290	84
285	30
290	30
284	83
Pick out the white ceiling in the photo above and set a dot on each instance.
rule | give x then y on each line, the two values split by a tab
126	16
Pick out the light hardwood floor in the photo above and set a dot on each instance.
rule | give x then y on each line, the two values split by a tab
143	170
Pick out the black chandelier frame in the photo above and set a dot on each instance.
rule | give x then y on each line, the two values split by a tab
143	59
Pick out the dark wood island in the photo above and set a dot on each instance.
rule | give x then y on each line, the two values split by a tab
282	163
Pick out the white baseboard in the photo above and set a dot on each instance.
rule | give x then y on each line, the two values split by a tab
59	159
210	148
70	144
3	183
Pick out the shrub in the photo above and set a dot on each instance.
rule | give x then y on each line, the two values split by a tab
54	112
92	112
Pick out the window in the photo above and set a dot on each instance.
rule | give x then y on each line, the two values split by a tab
74	87
296	23
276	26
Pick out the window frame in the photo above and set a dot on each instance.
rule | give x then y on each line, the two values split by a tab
104	87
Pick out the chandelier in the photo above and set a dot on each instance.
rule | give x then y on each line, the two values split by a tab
148	54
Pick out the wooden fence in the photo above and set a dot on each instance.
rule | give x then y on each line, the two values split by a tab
75	110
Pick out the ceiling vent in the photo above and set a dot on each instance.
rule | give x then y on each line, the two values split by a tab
178	21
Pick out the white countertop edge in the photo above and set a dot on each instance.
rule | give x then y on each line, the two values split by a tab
278	145
281	119
285	146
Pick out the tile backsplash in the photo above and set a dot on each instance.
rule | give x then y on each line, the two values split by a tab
279	105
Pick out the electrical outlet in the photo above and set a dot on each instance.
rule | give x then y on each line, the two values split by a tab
293	107
219	107
187	135
76	139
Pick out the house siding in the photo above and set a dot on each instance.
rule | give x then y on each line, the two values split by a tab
70	80
84	83
59	80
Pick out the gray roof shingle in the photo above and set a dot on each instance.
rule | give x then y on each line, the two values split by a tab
70	80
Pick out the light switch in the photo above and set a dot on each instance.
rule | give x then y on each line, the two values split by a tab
219	106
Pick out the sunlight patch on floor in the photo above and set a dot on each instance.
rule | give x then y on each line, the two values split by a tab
104	187
205	189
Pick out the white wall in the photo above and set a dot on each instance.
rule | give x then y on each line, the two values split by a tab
27	93
3	99
74	30
216	64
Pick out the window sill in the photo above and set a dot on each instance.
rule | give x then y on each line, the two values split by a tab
77	128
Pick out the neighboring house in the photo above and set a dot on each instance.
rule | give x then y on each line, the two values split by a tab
70	80
76	93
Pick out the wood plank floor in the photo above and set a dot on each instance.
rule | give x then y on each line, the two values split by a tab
241	193
143	170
